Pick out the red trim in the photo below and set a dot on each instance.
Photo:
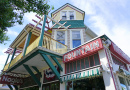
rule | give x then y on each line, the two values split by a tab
65	68
110	69
76	65
84	63
89	61
80	64
72	67
99	59
69	67
93	60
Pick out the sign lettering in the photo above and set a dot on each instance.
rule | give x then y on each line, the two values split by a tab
6	79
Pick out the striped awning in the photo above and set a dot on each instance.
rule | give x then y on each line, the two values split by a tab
82	74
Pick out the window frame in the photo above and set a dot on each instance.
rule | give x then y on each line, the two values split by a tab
84	58
55	35
81	37
68	14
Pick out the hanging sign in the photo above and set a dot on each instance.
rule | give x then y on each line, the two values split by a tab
11	80
118	52
81	51
49	75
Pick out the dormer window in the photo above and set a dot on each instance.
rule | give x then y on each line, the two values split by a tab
64	16
67	15
71	15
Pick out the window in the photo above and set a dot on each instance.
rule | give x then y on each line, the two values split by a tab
67	15
71	15
64	16
83	63
76	39
60	37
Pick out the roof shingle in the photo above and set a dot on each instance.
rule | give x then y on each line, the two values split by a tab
73	23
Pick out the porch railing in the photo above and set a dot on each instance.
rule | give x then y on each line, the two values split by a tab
48	43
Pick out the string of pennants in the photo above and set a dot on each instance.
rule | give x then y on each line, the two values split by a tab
10	51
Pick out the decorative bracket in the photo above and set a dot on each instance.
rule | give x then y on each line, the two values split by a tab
32	75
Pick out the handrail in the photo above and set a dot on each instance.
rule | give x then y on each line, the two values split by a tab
54	45
55	40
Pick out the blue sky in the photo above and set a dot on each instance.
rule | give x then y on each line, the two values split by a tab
110	17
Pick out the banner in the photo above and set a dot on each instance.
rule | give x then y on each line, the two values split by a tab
11	80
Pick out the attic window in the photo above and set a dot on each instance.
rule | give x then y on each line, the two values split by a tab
64	17
68	15
71	15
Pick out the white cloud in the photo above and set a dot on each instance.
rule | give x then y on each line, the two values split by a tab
109	17
11	32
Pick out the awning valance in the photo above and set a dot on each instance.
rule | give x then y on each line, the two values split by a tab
82	74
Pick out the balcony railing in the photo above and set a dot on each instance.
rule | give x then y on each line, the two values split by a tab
48	43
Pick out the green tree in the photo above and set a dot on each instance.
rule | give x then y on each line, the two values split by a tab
12	12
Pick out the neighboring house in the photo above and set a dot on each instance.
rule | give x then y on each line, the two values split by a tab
68	56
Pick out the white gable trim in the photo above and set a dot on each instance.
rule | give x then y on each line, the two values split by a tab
68	6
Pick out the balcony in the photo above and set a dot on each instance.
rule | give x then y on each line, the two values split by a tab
48	43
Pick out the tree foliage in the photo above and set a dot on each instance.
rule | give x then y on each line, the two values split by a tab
12	12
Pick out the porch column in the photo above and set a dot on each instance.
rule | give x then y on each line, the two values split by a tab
27	43
12	56
107	75
42	31
6	60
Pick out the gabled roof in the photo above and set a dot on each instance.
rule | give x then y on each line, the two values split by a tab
67	4
73	23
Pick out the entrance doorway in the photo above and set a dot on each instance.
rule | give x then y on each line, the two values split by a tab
96	83
52	86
